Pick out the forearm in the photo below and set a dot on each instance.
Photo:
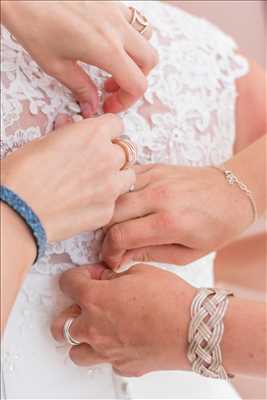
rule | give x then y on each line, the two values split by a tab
250	167
251	122
18	252
7	9
244	340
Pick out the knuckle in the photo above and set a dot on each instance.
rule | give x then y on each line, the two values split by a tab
109	117
153	58
65	278
88	297
140	87
108	215
99	343
55	69
166	221
142	255
111	187
115	236
55	330
114	47
77	357
189	229
162	193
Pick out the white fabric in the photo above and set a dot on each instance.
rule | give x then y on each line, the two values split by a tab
186	117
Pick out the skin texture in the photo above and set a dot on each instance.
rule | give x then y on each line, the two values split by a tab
78	26
215	204
119	327
67	193
251	108
144	328
178	214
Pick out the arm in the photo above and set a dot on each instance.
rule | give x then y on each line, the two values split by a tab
157	301
18	252
163	219
36	24
244	339
72	209
251	121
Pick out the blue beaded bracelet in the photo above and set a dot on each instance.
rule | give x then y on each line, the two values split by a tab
29	217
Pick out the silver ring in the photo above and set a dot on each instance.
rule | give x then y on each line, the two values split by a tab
66	332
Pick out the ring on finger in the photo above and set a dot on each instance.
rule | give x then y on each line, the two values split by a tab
138	21
66	332
129	149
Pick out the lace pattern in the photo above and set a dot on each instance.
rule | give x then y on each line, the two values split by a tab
186	117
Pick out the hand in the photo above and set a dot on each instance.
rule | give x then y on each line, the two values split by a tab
57	34
122	319
175	215
71	178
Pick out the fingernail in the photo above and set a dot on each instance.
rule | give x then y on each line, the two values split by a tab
86	109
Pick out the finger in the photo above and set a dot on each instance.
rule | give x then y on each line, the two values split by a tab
147	174
139	169
141	51
111	86
131	81
144	55
82	87
142	181
118	155
57	325
171	254
77	283
126	180
110	123
142	232
84	355
128	14
61	120
78	328
131	206
120	101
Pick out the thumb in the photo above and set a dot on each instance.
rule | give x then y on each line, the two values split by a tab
170	253
78	281
71	75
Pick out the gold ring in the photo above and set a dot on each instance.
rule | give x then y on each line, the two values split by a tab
138	19
129	149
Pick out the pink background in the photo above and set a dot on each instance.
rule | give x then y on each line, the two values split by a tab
244	20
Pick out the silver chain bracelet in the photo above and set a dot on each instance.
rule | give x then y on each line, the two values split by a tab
232	179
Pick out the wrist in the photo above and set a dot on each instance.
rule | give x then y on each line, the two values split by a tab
184	301
237	212
15	232
17	195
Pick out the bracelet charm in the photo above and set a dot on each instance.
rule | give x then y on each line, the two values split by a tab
232	179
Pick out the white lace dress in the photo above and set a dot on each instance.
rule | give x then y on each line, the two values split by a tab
186	117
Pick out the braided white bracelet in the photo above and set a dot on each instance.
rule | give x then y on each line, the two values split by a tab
232	179
205	332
